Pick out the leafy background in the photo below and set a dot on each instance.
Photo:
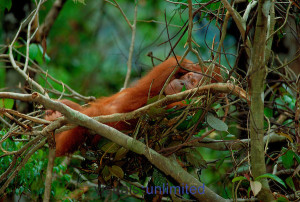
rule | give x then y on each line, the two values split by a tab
88	48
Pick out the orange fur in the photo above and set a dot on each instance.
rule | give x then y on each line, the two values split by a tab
127	100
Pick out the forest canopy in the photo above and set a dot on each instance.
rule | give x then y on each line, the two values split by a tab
229	129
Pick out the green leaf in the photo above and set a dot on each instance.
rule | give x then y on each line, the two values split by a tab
268	112
80	1
105	171
39	57
110	147
153	99
215	5
249	192
287	99
216	123
56	169
190	121
279	103
297	157
289	90
66	177
282	199
184	125
159	179
239	178
291	101
33	51
47	58
220	163
290	183
121	153
273	177
153	112
195	118
220	112
183	88
7	103
187	101
5	4
287	159
230	136
116	171
195	158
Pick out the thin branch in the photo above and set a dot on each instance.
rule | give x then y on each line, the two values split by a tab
240	24
31	118
25	76
36	68
168	166
35	15
190	39
202	90
250	6
21	165
285	20
133	33
48	181
121	10
271	26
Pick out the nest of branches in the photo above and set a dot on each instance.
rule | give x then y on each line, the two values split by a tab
172	132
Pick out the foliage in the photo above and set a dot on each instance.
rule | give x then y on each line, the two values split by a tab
31	177
87	49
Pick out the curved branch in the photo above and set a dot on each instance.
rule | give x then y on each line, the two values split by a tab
168	166
239	23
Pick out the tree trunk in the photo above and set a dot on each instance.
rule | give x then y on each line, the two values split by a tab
257	74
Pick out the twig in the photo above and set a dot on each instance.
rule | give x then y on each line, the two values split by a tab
21	165
35	15
202	90
48	181
190	39
5	122
133	33
250	6
285	20
178	62
168	166
240	24
271	25
14	120
27	78
121	10
38	69
31	118
184	4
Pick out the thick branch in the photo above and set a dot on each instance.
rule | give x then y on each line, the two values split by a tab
168	166
258	73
